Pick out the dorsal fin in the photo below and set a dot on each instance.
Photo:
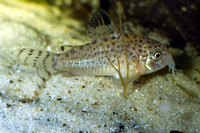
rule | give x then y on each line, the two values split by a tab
97	27
63	48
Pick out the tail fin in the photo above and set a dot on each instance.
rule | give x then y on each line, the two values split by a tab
43	62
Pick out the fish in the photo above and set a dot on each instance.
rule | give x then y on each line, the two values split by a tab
113	53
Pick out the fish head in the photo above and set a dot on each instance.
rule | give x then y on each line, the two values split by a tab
157	57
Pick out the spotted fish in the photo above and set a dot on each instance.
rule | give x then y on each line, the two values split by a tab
109	49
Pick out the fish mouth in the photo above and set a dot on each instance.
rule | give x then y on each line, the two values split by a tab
171	64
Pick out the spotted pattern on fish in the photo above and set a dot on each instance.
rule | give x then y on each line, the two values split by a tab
90	59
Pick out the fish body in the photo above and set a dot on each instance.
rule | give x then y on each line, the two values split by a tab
90	59
109	50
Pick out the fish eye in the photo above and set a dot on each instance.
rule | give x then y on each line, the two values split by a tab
157	55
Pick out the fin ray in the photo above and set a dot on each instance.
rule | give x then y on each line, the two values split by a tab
96	22
42	61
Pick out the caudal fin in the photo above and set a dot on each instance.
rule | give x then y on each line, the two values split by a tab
41	60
